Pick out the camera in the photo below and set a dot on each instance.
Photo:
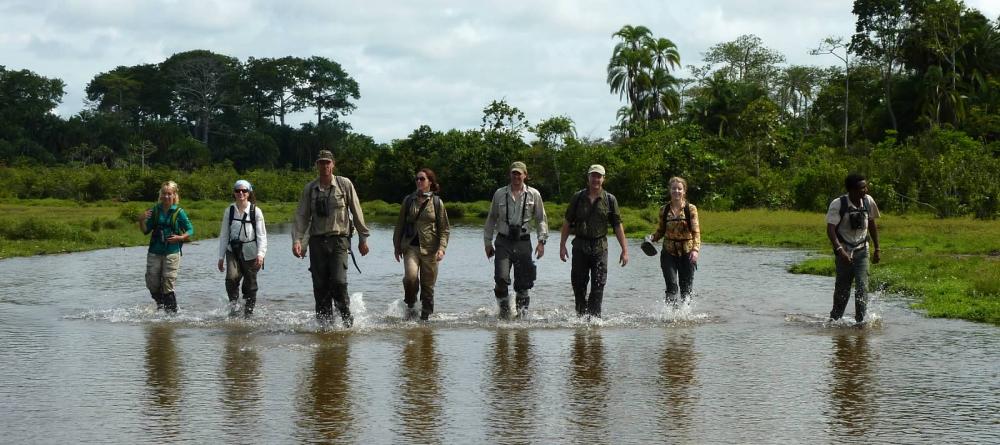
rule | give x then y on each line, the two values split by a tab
322	206
513	230
857	220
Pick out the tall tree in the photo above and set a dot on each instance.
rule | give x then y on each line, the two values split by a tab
831	45
327	87
204	84
745	59
881	29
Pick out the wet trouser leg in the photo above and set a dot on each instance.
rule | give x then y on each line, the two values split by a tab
678	273
854	272
328	264
419	274
161	275
524	273
590	264
245	271
504	257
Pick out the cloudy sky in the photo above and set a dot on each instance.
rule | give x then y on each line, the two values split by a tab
418	62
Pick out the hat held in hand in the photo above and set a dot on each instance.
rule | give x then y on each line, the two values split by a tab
647	245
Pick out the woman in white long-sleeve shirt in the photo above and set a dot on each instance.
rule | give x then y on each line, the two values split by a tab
242	246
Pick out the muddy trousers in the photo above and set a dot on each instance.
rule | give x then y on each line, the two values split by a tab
678	272
590	265
514	254
161	275
328	265
245	271
855	272
419	275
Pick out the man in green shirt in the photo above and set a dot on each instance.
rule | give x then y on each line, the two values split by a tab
590	213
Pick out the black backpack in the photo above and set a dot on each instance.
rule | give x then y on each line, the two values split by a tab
237	244
687	213
408	201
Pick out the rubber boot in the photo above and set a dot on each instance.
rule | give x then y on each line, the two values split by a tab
158	298
170	302
521	301
503	312
248	305
411	313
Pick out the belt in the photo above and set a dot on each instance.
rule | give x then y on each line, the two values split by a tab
521	238
587	238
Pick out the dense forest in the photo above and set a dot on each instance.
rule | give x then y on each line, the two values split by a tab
913	102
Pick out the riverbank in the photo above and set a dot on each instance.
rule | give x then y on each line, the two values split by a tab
950	267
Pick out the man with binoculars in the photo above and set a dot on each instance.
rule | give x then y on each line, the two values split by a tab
513	208
850	222
327	215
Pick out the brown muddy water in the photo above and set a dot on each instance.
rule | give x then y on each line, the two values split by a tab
85	359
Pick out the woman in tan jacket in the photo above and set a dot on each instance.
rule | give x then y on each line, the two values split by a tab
420	239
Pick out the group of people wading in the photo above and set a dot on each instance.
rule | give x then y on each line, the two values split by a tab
329	213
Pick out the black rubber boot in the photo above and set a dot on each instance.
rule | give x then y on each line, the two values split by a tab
503	308
170	302
158	298
521	301
248	306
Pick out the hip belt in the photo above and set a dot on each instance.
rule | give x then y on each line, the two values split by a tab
518	238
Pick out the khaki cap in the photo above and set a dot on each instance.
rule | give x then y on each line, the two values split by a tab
519	166
596	168
325	155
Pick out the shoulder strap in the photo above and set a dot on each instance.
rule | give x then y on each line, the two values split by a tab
173	221
687	215
437	214
574	202
232	213
843	206
349	198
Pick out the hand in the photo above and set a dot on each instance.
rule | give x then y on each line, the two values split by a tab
259	264
221	267
876	256
842	253
539	251
146	215
297	250
623	259
398	254
175	239
363	246
439	256
489	252
563	253
693	256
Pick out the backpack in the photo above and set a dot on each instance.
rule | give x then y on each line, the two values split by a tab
687	213
174	228
843	211
408	201
575	202
253	218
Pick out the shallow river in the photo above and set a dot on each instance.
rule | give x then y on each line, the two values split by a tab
85	359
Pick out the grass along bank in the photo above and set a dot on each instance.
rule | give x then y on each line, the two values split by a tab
950	267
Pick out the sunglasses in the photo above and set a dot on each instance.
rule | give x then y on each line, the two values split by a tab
241	191
421	178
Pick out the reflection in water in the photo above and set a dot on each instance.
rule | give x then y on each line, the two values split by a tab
677	375
852	389
589	387
241	382
325	402
163	380
420	408
511	392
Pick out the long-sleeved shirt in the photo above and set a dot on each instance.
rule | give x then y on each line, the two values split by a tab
159	224
678	238
430	229
506	209
240	229
342	205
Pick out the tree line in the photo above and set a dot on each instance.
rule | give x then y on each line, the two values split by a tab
913	101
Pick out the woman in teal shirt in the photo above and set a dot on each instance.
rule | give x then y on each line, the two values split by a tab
170	228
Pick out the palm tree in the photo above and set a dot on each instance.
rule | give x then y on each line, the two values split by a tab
639	70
